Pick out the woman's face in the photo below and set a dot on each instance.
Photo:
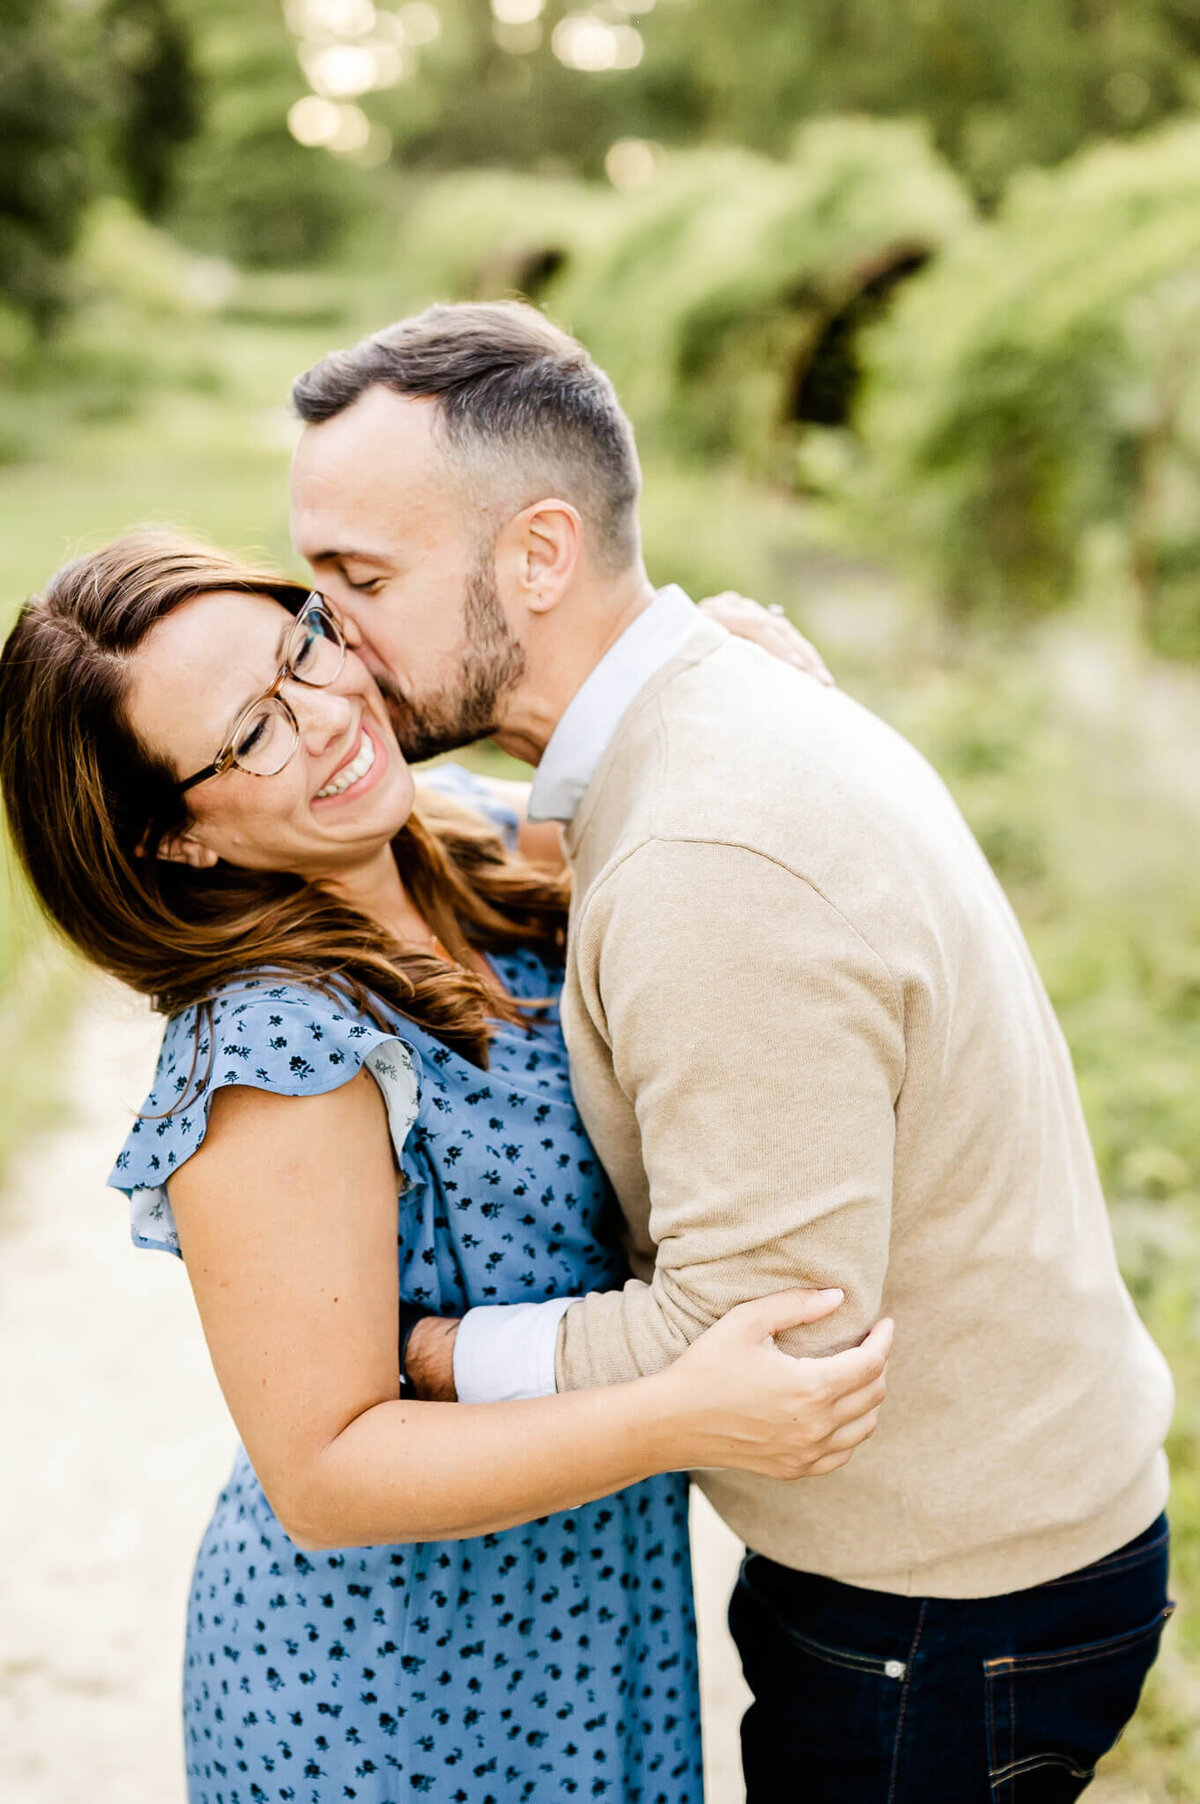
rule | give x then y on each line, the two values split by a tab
195	673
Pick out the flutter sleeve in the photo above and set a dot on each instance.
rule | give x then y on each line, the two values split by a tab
278	1036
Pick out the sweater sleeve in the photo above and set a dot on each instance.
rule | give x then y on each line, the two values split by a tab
759	1042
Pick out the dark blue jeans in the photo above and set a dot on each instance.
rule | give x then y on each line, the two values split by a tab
861	1697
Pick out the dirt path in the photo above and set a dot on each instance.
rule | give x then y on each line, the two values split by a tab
116	1443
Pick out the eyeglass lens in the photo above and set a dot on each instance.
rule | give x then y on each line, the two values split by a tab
267	737
316	648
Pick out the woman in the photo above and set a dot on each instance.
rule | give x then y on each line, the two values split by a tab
204	789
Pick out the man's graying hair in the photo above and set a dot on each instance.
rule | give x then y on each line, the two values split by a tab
522	411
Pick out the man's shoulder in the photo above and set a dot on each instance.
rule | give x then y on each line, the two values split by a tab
738	746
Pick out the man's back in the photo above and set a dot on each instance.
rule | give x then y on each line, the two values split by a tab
810	1044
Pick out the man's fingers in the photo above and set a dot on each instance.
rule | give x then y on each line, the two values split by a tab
785	1309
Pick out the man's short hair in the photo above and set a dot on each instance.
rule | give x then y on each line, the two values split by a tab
521	410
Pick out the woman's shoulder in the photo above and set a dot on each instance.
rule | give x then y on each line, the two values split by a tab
269	1033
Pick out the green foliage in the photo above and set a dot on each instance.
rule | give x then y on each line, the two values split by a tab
1001	86
159	102
719	293
87	100
1041	378
712	293
48	101
247	190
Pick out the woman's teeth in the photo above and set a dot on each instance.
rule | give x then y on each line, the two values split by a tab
350	773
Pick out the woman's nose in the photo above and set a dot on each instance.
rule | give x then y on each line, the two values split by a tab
324	714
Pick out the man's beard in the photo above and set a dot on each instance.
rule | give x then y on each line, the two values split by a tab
491	662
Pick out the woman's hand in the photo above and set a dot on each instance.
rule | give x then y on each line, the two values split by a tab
736	1400
768	627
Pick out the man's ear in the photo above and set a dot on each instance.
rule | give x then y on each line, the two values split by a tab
539	551
185	848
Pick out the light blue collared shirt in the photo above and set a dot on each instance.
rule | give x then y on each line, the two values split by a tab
506	1351
592	716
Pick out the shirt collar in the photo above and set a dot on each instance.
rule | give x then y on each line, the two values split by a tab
592	716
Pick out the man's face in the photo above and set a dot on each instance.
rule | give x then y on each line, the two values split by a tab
396	546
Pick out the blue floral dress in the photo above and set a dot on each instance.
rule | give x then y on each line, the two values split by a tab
551	1661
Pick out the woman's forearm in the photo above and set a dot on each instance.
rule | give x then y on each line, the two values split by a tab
287	1221
406	1471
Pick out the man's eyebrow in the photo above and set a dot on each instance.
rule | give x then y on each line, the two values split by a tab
347	555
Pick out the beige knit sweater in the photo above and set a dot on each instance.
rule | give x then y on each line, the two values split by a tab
811	1047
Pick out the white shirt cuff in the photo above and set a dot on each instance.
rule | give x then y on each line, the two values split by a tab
505	1352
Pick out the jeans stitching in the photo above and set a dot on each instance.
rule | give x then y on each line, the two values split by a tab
908	1673
990	1700
1115	1563
874	1664
1015	1768
1078	1656
1012	1729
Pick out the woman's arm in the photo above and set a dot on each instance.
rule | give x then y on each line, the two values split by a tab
287	1220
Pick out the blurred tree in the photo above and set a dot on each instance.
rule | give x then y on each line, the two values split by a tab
1001	86
158	100
1042	378
247	189
48	102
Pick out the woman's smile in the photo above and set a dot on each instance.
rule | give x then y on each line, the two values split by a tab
363	766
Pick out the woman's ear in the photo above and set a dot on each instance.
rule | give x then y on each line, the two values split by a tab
185	848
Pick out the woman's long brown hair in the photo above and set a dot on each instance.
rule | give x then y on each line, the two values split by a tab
88	807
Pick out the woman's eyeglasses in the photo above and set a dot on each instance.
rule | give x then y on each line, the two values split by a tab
267	732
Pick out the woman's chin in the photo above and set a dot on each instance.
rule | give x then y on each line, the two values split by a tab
375	821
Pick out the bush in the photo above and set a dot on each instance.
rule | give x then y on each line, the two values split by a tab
246	189
717	296
48	102
1042	378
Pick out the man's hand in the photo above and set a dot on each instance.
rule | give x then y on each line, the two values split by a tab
429	1359
768	627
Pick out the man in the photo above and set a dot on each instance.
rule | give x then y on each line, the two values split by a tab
810	1045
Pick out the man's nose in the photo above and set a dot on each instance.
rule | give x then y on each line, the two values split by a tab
351	628
357	636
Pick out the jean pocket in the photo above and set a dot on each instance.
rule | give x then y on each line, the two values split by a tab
1052	1716
821	1698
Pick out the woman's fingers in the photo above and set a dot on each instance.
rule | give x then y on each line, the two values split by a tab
853	1434
839	1374
768	627
859	1403
829	1463
784	1309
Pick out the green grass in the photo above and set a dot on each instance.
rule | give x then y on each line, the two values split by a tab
180	418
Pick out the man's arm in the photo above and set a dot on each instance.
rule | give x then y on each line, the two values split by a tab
759	1040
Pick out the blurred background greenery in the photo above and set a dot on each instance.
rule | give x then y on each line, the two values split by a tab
904	298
